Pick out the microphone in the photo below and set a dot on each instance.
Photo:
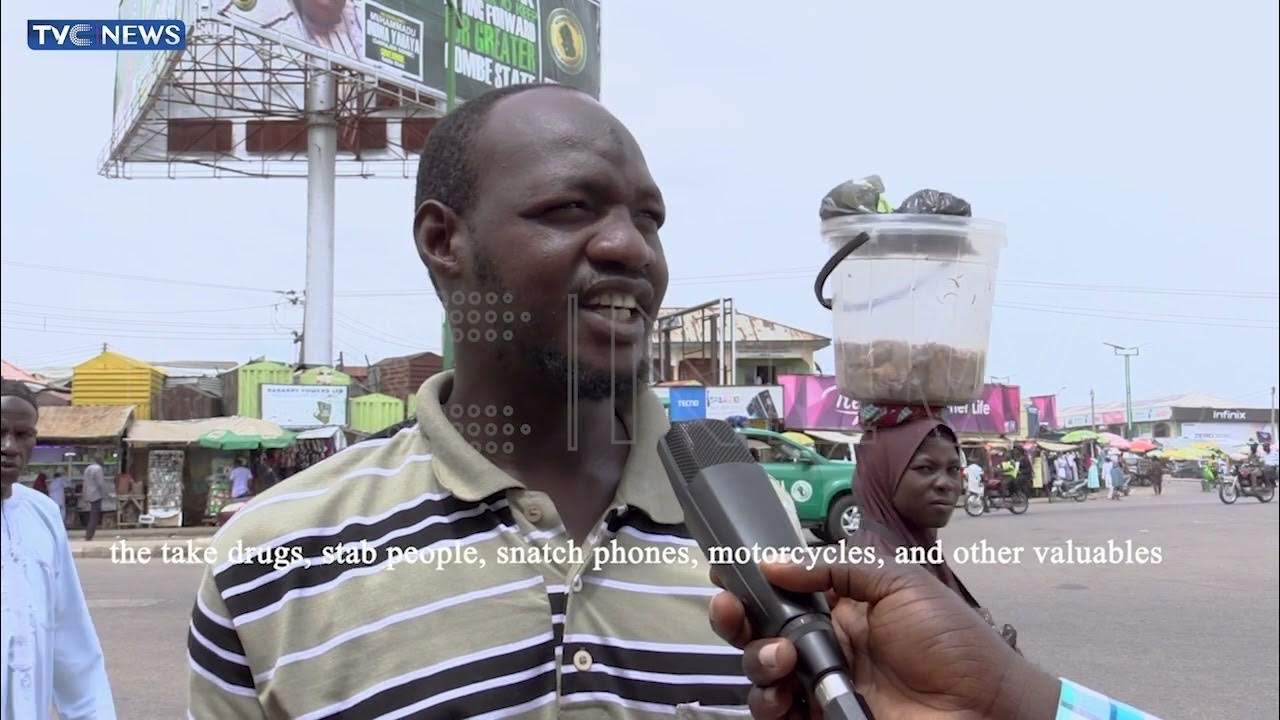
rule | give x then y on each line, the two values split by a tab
730	503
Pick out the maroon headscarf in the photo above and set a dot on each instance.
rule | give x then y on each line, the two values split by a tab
883	454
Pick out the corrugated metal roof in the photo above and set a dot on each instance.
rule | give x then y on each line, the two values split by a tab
1190	400
748	328
188	432
13	372
83	423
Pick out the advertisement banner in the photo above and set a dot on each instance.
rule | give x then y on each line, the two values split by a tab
496	43
1226	434
688	403
137	71
997	413
755	402
814	402
304	406
1047	409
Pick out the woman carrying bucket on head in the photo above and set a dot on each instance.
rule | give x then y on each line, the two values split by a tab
910	472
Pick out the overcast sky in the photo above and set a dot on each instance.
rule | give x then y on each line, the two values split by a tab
1130	147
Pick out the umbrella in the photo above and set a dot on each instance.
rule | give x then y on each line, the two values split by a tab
1113	440
1142	446
229	440
1079	436
798	438
1189	453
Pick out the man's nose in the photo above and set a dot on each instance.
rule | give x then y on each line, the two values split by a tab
621	243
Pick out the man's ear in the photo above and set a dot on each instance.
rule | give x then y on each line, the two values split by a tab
440	235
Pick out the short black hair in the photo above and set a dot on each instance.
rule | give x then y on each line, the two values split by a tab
445	171
19	389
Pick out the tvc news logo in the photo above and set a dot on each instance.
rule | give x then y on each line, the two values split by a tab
106	34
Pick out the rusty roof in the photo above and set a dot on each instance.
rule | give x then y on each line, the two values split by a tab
83	423
747	328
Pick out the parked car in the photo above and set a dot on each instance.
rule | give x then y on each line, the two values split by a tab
821	488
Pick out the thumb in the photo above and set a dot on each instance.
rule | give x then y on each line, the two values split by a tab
860	581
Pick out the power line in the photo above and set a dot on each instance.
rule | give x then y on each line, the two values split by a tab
134	311
1107	315
143	278
136	334
127	322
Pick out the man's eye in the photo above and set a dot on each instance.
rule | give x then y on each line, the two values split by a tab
648	221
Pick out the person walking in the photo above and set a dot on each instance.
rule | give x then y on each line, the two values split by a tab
95	489
52	658
58	493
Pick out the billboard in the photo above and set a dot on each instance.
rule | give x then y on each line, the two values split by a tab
755	402
814	402
688	403
304	406
496	42
1047	409
138	70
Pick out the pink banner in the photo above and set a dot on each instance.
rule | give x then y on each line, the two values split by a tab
814	402
1047	406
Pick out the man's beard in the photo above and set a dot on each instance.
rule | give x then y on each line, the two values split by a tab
553	367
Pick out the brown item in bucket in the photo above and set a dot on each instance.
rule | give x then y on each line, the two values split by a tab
894	371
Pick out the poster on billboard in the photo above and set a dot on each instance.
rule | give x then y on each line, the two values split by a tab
814	402
754	402
688	403
1047	409
304	406
496	43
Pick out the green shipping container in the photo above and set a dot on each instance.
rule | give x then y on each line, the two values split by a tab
371	413
241	388
324	376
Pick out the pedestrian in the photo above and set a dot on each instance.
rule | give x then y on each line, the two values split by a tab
538	222
973	477
58	493
94	490
908	478
1107	463
241	479
1157	475
41	484
1116	477
52	658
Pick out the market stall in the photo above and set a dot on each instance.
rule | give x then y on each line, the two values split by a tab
185	462
312	446
69	439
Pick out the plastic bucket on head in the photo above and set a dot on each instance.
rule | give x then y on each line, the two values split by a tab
911	299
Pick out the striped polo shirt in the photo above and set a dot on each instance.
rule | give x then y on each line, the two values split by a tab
411	577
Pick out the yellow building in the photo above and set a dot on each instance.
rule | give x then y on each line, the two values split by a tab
114	379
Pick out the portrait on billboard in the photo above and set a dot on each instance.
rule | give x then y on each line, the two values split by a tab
333	25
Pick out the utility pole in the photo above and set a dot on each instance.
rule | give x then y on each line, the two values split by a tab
1126	353
451	99
1273	415
1093	415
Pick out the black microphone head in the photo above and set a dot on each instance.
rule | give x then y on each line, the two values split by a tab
698	444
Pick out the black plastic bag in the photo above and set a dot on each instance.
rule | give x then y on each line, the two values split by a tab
935	202
854	197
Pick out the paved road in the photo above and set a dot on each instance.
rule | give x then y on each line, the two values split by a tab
1193	637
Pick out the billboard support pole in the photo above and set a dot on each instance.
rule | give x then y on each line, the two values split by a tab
451	98
322	166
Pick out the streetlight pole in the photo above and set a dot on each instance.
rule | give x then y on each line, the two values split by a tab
1093	414
1126	353
1273	415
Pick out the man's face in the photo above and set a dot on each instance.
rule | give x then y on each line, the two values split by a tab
17	437
322	13
565	226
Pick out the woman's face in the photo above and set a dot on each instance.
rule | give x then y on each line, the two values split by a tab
927	492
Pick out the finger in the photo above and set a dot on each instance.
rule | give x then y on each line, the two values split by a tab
715	578
769	703
860	581
768	662
729	620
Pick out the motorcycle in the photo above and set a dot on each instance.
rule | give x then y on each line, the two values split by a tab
1077	490
992	498
1248	481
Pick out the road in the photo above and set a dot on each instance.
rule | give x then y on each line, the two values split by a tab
1194	636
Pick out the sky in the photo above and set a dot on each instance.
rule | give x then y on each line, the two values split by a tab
1130	148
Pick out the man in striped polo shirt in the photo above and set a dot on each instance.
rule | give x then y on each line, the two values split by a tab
519	552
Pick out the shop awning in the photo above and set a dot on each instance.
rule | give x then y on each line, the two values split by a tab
189	432
838	438
320	433
1056	446
85	424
